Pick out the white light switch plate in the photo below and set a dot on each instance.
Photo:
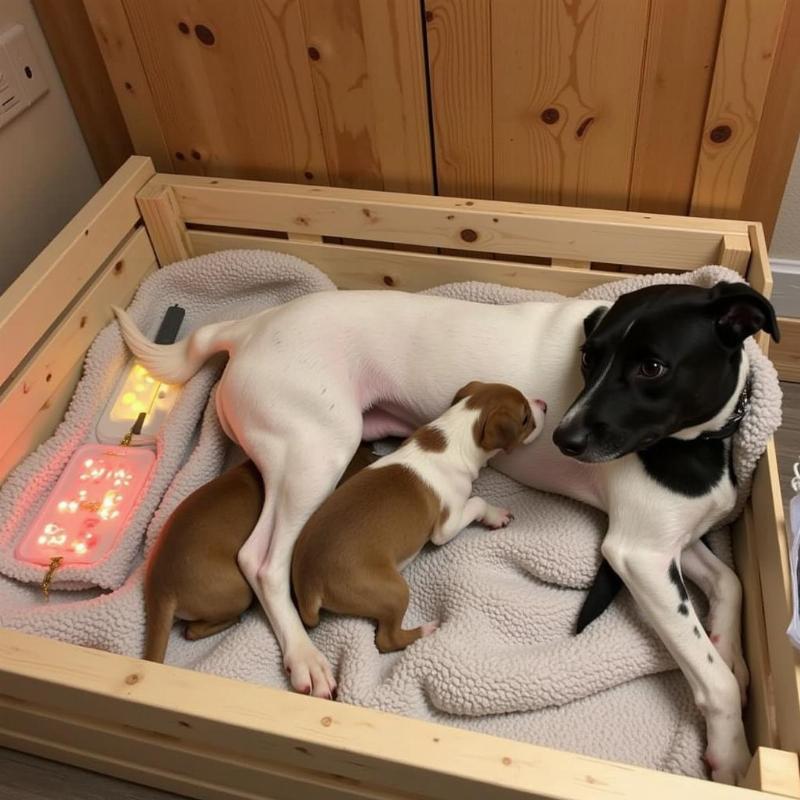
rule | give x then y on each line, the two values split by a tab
22	80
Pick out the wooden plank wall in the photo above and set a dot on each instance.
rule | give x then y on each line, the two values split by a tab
669	106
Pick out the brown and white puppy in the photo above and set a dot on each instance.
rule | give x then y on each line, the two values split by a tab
192	573
350	553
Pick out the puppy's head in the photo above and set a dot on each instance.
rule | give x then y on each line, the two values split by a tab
505	418
659	360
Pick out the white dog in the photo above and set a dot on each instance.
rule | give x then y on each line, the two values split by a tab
306	381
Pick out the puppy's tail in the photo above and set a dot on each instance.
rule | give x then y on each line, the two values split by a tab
173	363
159	616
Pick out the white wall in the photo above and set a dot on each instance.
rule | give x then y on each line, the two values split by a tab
784	251
46	173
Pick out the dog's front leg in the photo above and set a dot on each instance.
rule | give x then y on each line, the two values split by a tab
721	586
652	575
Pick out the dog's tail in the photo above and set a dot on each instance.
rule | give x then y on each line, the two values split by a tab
173	363
159	616
601	594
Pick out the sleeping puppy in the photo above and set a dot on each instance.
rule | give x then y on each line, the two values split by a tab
350	553
192	573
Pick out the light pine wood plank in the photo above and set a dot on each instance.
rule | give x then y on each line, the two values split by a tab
393	41
747	46
566	80
80	64
786	355
165	227
460	65
232	86
343	91
681	48
778	131
481	226
61	271
774	771
117	45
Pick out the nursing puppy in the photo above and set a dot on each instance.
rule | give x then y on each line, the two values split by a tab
192	573
665	369
350	553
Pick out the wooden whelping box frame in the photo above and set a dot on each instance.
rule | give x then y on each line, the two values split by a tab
210	737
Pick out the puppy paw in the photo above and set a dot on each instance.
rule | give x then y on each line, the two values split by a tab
428	628
497	517
309	671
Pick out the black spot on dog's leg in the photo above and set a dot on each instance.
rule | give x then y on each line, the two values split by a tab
697	631
683	609
710	659
677	580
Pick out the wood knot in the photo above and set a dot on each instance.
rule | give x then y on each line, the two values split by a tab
213	182
303	750
314	54
309	176
128	86
436	739
583	127
388	280
302	221
25	388
429	16
326	722
366	212
495	219
184	724
469	235
49	377
133	679
506	761
469	203
183	27
550	116
196	155
180	156
720	134
451	216
118	267
205	35
84	320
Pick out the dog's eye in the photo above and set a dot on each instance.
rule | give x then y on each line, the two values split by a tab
586	360
526	418
651	368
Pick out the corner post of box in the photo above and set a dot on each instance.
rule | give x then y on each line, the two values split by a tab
776	772
164	224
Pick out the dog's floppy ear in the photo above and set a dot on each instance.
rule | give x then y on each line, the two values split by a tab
740	311
500	431
593	320
466	391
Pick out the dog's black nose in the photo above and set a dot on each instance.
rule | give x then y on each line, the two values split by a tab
571	442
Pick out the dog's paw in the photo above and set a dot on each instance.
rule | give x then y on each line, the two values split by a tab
428	628
497	517
309	671
728	762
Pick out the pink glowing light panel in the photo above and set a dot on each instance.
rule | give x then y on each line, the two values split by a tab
89	507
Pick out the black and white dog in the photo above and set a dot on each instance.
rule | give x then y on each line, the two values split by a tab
663	370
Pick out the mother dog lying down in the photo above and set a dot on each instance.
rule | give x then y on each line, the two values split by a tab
639	387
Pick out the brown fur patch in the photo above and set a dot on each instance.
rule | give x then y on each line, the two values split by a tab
430	439
503	408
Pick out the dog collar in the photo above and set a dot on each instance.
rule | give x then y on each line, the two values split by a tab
735	419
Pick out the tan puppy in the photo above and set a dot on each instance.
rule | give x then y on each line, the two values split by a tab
193	573
350	553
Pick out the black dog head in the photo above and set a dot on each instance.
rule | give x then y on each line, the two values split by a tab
659	360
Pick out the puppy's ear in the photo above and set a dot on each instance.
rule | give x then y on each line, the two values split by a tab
500	430
466	391
591	322
740	311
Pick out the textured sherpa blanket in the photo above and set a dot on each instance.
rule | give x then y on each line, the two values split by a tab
504	661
